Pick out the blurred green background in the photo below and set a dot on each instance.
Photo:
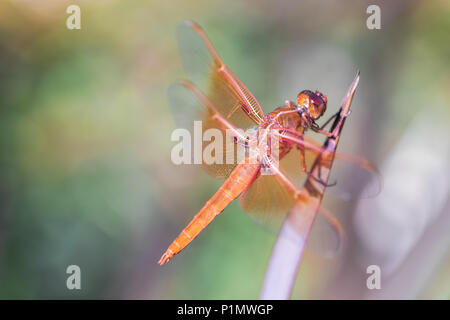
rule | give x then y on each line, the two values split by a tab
85	170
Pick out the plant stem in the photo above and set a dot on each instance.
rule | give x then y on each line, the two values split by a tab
289	247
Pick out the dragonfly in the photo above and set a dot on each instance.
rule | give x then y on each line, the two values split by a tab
227	105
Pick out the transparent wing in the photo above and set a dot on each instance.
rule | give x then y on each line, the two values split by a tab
206	69
211	136
267	201
351	176
327	235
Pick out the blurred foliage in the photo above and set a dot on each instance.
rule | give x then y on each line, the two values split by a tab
85	171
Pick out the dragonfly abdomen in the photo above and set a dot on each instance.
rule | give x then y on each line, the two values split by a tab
236	183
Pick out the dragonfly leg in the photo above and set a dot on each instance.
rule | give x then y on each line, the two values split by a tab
331	118
302	155
304	169
319	179
317	129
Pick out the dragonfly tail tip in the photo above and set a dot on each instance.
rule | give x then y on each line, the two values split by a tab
165	257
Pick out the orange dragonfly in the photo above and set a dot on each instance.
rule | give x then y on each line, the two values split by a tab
227	105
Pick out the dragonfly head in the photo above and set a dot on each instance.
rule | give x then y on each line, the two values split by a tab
315	103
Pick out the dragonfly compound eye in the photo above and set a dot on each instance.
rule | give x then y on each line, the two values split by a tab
316	103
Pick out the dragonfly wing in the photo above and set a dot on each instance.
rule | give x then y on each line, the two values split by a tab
327	235
194	112
349	173
355	178
269	198
206	69
267	201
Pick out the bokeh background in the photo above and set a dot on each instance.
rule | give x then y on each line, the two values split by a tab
85	170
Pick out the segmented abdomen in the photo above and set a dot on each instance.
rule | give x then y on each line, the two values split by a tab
235	184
